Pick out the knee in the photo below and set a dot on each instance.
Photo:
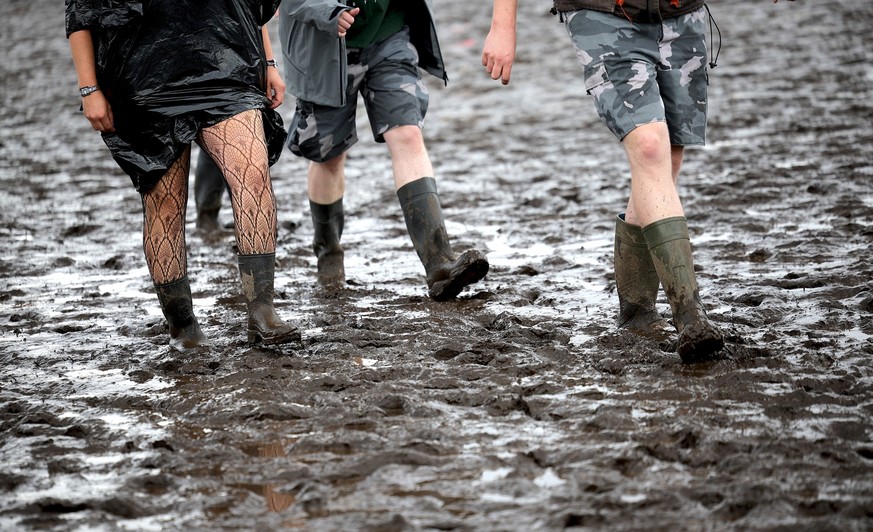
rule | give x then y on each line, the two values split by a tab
330	166
649	146
404	136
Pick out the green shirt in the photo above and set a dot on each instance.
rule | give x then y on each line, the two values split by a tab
378	19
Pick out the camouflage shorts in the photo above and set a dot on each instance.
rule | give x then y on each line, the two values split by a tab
643	73
387	77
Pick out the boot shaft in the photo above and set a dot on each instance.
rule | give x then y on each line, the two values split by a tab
178	309
327	222
636	279
670	248
425	223
257	273
634	268
176	303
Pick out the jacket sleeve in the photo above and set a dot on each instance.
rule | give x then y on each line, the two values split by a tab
321	14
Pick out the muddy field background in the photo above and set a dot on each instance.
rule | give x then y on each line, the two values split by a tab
517	407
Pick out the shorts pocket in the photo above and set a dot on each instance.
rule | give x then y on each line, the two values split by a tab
595	76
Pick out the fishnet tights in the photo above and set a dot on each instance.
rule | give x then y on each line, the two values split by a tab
238	148
164	223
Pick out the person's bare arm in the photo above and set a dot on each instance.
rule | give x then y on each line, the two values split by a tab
275	83
95	106
498	53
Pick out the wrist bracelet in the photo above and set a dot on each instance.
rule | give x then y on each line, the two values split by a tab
91	89
271	63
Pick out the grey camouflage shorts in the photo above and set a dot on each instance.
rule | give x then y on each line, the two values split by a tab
387	77
643	73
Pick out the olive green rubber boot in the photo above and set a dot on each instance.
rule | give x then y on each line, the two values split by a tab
178	309
637	283
265	326
670	247
447	274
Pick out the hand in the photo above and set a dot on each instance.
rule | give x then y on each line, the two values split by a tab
346	19
498	54
275	87
97	110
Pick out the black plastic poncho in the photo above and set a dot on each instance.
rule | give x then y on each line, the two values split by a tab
169	68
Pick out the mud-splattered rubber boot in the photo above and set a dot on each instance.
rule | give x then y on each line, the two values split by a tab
264	325
178	309
209	186
670	247
637	283
327	222
447	274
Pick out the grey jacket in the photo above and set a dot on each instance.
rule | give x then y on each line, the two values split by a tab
315	56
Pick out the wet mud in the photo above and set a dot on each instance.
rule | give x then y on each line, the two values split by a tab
518	406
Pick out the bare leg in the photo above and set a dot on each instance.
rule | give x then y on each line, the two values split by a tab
654	166
326	182
409	158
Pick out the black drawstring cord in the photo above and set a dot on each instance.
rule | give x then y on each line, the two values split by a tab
712	22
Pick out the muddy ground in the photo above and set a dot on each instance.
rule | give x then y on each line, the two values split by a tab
519	406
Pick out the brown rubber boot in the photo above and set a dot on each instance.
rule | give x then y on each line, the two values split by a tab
637	283
265	326
176	304
327	221
670	247
447	274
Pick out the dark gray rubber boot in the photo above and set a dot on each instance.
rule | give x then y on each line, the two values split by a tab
327	222
257	273
637	283
447	274
209	186
178	309
670	247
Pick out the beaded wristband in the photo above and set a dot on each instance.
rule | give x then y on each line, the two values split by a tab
91	89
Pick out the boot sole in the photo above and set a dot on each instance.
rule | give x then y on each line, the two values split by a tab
472	268
292	336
